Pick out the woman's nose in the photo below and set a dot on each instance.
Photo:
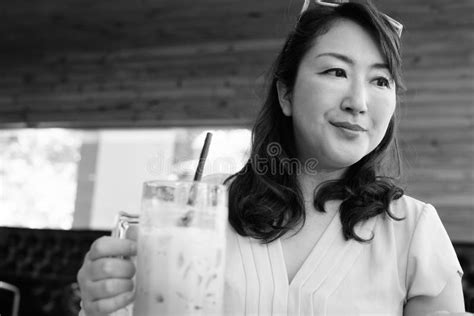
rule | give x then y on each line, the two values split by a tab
355	100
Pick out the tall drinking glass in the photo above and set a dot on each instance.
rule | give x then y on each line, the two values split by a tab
181	249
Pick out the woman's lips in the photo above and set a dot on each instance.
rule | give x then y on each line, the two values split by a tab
349	126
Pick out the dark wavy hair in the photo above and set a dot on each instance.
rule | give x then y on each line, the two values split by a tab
265	204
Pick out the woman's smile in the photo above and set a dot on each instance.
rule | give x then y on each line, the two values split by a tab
349	130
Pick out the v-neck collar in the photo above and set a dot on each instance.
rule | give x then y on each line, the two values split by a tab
315	255
317	275
259	271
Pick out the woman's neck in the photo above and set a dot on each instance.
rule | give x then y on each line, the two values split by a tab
309	182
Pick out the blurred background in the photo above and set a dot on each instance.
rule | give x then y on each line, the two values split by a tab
98	96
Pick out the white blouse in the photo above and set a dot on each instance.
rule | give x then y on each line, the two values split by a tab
405	259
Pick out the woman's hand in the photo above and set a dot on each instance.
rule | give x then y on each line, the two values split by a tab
105	278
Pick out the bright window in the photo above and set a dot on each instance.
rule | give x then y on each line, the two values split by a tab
38	171
61	178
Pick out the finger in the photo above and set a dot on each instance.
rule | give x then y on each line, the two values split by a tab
108	305
107	268
108	288
112	247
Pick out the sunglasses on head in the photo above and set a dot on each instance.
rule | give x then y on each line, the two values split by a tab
396	25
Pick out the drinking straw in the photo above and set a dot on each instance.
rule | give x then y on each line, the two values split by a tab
198	174
203	157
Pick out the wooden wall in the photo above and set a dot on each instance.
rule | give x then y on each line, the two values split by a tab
84	63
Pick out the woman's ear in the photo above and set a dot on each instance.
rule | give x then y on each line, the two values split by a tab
284	98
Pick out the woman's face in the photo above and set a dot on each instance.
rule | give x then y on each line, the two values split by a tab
343	98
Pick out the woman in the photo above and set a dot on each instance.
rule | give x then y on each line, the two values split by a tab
318	225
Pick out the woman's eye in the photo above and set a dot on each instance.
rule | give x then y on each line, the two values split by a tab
383	82
338	72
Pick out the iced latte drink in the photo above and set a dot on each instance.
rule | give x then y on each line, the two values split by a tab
181	249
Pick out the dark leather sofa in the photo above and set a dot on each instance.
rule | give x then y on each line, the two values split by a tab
43	263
